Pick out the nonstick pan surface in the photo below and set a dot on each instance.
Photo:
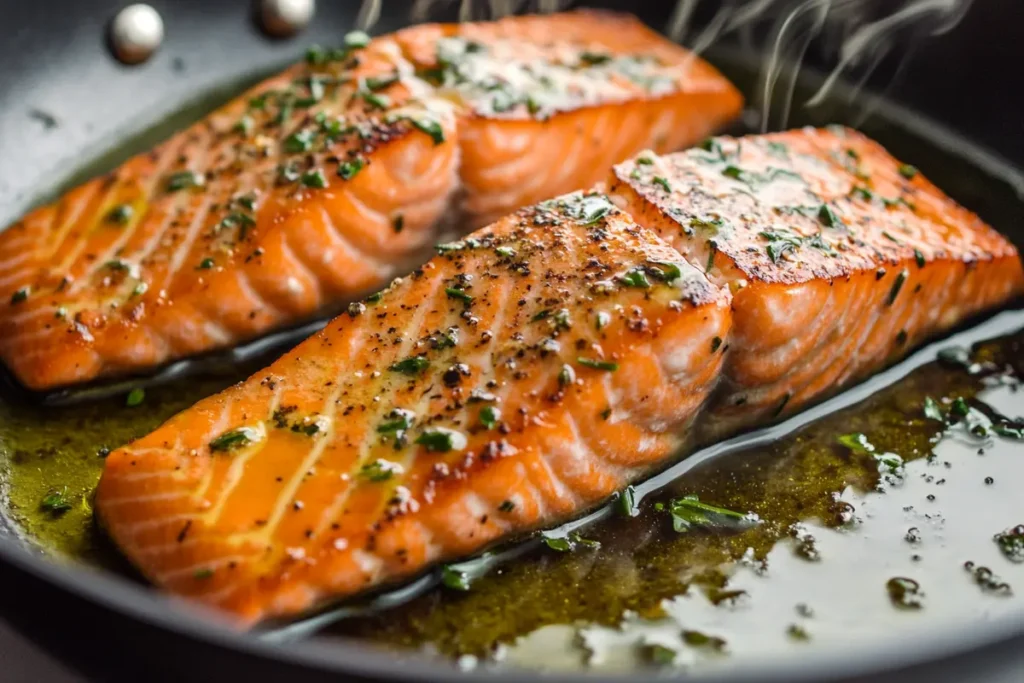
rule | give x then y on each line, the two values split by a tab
64	103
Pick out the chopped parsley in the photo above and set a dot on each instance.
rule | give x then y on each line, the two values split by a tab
489	416
233	440
907	171
453	578
897	285
56	502
635	277
441	440
460	294
662	182
135	397
348	169
414	365
689	513
608	365
120	214
628	506
396	421
183	180
380	470
431	128
314	179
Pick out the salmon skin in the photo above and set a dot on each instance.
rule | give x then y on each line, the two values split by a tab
839	257
326	181
521	376
529	371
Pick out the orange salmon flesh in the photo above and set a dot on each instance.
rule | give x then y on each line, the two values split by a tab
534	368
326	181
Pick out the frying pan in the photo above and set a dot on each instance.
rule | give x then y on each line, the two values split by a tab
64	103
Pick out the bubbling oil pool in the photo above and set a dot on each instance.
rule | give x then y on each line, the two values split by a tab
650	595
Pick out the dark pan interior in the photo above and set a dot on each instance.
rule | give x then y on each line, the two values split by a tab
67	108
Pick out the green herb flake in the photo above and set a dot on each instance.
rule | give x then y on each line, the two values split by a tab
607	365
897	285
907	171
456	579
460	294
662	182
349	168
184	180
233	440
205	264
314	179
203	574
919	257
856	442
120	214
19	296
396	421
299	142
689	513
56	502
862	192
376	100
441	440
135	397
635	277
380	470
506	506
414	365
828	217
627	504
716	343
489	416
430	127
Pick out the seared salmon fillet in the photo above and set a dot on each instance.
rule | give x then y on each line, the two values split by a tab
839	257
329	179
532	369
549	103
519	377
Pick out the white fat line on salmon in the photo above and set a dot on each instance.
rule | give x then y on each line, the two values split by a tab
286	497
389	488
216	428
200	149
500	297
68	219
240	460
352	252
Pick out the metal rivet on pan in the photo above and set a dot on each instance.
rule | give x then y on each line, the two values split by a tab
136	33
286	17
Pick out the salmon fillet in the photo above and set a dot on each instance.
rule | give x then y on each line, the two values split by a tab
549	103
519	377
839	257
329	179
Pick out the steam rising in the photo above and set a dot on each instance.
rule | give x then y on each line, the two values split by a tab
856	35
